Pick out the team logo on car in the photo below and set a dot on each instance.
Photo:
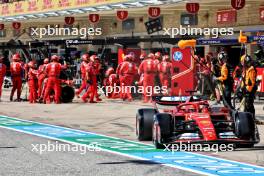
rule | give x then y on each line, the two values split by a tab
177	56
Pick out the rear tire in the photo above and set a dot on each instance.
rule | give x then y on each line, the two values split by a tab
144	122
162	129
245	126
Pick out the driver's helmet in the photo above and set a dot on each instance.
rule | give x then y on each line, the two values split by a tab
191	109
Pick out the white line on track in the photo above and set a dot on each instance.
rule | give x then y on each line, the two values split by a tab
118	153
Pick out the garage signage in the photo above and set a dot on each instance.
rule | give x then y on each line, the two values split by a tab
94	18
16	25
192	7
154	12
69	20
216	41
238	4
226	16
261	13
122	15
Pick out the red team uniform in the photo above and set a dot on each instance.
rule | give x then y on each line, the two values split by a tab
165	71
2	74
149	69
32	82
91	76
157	58
110	82
16	69
97	66
128	71
53	71
83	68
41	77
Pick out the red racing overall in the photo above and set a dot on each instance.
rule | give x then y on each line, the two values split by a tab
149	69
165	70
92	90
84	85
16	69
33	85
2	76
41	77
53	71
128	71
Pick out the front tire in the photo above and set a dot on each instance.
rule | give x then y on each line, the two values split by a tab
144	122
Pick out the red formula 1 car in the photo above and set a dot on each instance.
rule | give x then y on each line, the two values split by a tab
191	119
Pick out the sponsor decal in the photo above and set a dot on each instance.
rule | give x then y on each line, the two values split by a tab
177	56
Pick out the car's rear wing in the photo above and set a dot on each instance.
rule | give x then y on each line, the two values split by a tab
175	100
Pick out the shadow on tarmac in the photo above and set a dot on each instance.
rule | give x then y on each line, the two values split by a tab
255	148
8	147
145	162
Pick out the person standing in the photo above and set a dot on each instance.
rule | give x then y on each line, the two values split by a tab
226	78
83	68
41	76
120	77
98	68
128	71
91	78
248	86
165	72
150	70
2	74
141	77
157	61
111	82
206	75
53	71
32	81
16	69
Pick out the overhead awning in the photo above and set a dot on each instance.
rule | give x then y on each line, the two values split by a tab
32	9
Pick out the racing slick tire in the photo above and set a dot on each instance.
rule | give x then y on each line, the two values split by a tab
245	128
162	129
144	122
67	93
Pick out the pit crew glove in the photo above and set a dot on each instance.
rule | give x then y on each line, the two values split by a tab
215	79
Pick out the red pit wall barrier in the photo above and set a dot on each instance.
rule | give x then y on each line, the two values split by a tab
183	77
260	75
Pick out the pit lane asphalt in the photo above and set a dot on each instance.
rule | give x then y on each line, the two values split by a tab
113	118
17	158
